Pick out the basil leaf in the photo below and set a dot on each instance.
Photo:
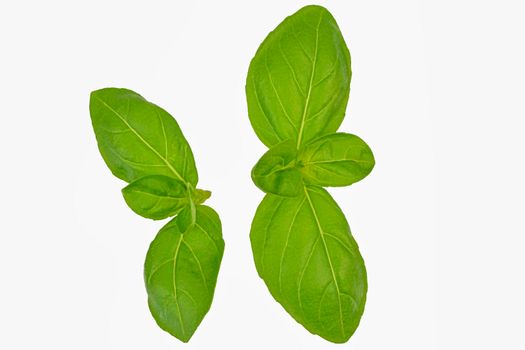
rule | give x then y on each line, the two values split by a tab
299	80
307	257
181	270
156	196
137	138
200	196
336	160
276	171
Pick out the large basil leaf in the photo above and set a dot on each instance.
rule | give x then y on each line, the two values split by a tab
276	171
137	138
156	196
305	253
299	80
336	160
181	270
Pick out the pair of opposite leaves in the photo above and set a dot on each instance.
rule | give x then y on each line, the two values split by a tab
297	91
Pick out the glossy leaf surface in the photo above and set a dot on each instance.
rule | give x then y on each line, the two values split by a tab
276	171
156	196
336	160
299	80
181	270
137	138
305	253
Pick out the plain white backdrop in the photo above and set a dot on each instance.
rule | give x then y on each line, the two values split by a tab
438	93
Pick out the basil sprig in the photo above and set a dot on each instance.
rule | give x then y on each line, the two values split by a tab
143	145
297	91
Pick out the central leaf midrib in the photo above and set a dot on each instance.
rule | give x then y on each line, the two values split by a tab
321	232
159	195
174	282
143	141
336	161
303	120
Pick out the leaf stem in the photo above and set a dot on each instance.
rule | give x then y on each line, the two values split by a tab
190	190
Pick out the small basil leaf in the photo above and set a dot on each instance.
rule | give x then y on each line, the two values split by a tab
181	272
137	138
200	196
299	80
336	160
306	255
276	171
156	196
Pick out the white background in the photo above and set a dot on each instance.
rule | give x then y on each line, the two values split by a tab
438	93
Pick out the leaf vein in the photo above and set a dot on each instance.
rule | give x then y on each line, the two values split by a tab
300	43
291	68
286	244
325	289
343	244
156	269
266	234
174	282
264	113
320	111
208	235
330	72
277	93
310	85
183	291
198	263
164	133
301	275
322	233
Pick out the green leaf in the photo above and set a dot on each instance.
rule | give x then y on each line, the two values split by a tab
276	171
299	80
181	270
200	196
156	196
306	255
137	138
336	160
